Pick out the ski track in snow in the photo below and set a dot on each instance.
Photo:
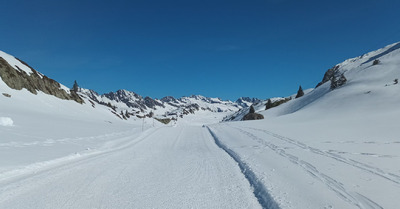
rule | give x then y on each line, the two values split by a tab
370	169
119	141
47	142
259	190
353	198
169	167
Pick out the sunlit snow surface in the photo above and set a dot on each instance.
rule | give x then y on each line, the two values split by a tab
328	149
5	121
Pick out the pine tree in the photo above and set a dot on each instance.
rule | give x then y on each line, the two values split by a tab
75	87
300	92
252	109
268	105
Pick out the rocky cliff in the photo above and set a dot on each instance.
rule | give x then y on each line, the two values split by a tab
17	78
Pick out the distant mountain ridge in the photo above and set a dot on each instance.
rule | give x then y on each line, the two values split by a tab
247	101
132	103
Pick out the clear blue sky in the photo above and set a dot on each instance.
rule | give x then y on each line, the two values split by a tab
227	49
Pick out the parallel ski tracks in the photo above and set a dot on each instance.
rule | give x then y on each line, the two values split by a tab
260	192
356	164
334	185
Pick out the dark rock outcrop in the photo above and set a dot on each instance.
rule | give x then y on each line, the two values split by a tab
329	74
253	116
336	77
169	99
276	103
19	79
164	120
335	83
151	103
131	99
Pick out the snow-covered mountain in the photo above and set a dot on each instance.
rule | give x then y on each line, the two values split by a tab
18	75
339	142
375	72
371	85
130	103
247	101
258	105
368	79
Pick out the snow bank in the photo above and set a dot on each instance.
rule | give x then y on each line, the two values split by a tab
5	121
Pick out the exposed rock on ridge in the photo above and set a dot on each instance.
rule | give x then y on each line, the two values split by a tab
19	79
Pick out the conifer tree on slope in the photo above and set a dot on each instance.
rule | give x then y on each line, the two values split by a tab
252	109
268	105
300	92
75	87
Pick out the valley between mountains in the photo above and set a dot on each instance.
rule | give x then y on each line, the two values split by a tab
336	146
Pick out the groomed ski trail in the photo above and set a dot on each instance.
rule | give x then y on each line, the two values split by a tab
173	167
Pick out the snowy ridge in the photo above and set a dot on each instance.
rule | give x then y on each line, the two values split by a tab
366	84
15	63
258	104
247	101
129	102
21	66
238	115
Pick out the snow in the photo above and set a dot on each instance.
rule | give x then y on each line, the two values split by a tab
18	65
6	121
341	146
328	149
167	167
15	63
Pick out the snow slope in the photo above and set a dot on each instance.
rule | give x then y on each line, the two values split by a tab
15	63
341	146
40	128
21	66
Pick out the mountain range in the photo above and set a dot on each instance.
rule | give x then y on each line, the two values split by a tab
17	74
339	141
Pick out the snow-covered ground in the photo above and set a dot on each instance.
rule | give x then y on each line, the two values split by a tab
168	167
328	149
335	170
